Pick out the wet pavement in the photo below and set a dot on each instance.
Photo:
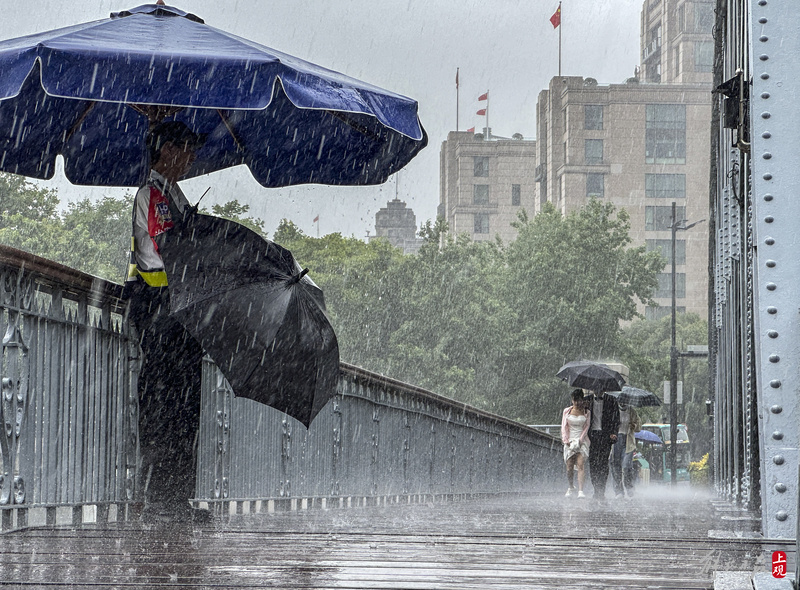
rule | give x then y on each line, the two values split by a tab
657	540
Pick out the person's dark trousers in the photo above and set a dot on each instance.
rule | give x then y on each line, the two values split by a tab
599	450
169	400
617	456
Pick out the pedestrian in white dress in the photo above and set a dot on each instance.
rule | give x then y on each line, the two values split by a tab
575	423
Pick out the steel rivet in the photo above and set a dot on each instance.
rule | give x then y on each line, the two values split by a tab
769	219
765	115
781	515
772	334
762	2
766	134
771	264
765	76
769	241
775	384
774	358
763	38
765	96
768	197
777	435
767	176
771	286
778	460
763	57
772	310
767	156
780	487
776	409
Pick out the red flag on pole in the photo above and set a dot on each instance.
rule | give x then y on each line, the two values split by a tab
316	219
555	20
481	112
484	96
471	130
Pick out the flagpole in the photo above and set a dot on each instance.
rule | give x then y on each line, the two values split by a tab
560	26
487	116
457	98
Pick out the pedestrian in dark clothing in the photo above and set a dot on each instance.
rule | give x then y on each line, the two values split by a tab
170	370
602	436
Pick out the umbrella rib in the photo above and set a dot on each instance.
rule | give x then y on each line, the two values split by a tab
80	120
231	130
355	125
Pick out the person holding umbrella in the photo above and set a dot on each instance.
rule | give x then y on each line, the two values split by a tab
622	453
602	436
170	373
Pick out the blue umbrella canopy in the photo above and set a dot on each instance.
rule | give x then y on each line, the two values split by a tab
91	92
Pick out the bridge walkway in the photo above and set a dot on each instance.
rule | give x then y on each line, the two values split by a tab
657	540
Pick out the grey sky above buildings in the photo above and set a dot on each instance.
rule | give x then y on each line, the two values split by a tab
507	47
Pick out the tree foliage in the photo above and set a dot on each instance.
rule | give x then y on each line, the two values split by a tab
649	343
482	322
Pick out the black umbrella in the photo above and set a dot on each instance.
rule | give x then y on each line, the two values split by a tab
255	312
636	397
591	375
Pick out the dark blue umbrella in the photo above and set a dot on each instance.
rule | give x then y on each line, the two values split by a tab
90	92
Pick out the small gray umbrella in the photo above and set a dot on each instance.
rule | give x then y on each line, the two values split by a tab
636	397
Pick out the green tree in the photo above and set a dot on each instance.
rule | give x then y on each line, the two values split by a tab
571	281
650	342
236	211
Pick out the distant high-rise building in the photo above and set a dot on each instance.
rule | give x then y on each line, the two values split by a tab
640	145
484	183
398	224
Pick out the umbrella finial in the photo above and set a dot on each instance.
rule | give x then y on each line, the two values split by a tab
160	3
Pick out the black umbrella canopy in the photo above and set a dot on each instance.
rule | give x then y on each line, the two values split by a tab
591	375
254	311
91	92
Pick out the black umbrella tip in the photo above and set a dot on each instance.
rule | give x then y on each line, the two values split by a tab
298	276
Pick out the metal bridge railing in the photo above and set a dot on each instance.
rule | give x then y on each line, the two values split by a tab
378	438
69	410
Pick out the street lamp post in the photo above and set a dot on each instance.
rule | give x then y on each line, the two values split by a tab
673	352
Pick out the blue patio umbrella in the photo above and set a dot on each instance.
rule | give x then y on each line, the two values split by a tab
91	92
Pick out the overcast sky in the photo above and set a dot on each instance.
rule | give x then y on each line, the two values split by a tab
411	47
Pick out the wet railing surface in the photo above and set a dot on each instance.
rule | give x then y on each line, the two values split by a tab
69	445
657	540
376	438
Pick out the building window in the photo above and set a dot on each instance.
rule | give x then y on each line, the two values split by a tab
703	17
656	313
665	134
593	117
677	60
481	223
664	289
593	151
516	194
665	186
703	56
481	165
681	18
664	247
595	186
480	194
660	218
